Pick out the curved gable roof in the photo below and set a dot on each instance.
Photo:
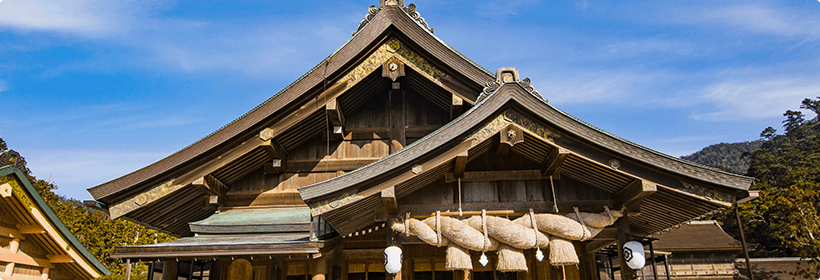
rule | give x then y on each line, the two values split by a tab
388	19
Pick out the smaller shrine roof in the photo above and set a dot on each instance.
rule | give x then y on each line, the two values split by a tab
254	220
213	245
697	236
20	200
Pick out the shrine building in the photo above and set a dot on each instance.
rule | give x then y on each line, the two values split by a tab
398	141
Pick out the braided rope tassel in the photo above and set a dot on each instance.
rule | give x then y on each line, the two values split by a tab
538	254
438	228
483	260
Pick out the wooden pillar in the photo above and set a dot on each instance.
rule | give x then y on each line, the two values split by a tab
320	269
654	264
588	266
623	236
46	271
127	269
169	270
191	270
10	269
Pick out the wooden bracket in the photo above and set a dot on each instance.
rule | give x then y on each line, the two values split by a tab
554	161
460	164
60	259
509	136
389	200
211	185
634	193
30	229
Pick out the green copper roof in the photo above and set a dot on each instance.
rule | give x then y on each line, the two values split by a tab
259	220
45	209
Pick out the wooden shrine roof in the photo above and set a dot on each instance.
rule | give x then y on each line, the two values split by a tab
389	21
696	236
215	245
37	223
255	220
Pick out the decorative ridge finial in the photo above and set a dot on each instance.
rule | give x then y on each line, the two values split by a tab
12	157
373	11
507	75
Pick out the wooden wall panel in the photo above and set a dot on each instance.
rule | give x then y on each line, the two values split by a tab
479	192
436	193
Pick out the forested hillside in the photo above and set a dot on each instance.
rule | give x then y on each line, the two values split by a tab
784	220
729	157
95	230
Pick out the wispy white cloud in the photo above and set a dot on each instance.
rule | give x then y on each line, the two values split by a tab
756	18
71	170
589	86
82	17
756	99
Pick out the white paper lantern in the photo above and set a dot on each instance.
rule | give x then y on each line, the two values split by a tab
392	259
634	255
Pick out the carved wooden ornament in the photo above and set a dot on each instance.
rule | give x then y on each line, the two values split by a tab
393	68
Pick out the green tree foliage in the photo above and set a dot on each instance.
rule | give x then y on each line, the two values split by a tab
729	157
96	231
784	220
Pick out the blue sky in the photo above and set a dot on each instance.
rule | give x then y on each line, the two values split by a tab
94	89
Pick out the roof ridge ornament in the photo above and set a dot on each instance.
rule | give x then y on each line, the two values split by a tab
411	10
507	75
372	11
12	157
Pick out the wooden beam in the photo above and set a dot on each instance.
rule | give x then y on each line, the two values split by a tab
554	161
460	164
390	201
326	165
334	113
31	229
60	259
490	176
634	192
456	107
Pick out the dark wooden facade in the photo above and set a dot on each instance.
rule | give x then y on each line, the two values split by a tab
396	124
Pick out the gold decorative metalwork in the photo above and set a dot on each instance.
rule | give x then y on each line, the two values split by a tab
139	200
17	190
512	117
392	48
706	193
320	207
528	124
